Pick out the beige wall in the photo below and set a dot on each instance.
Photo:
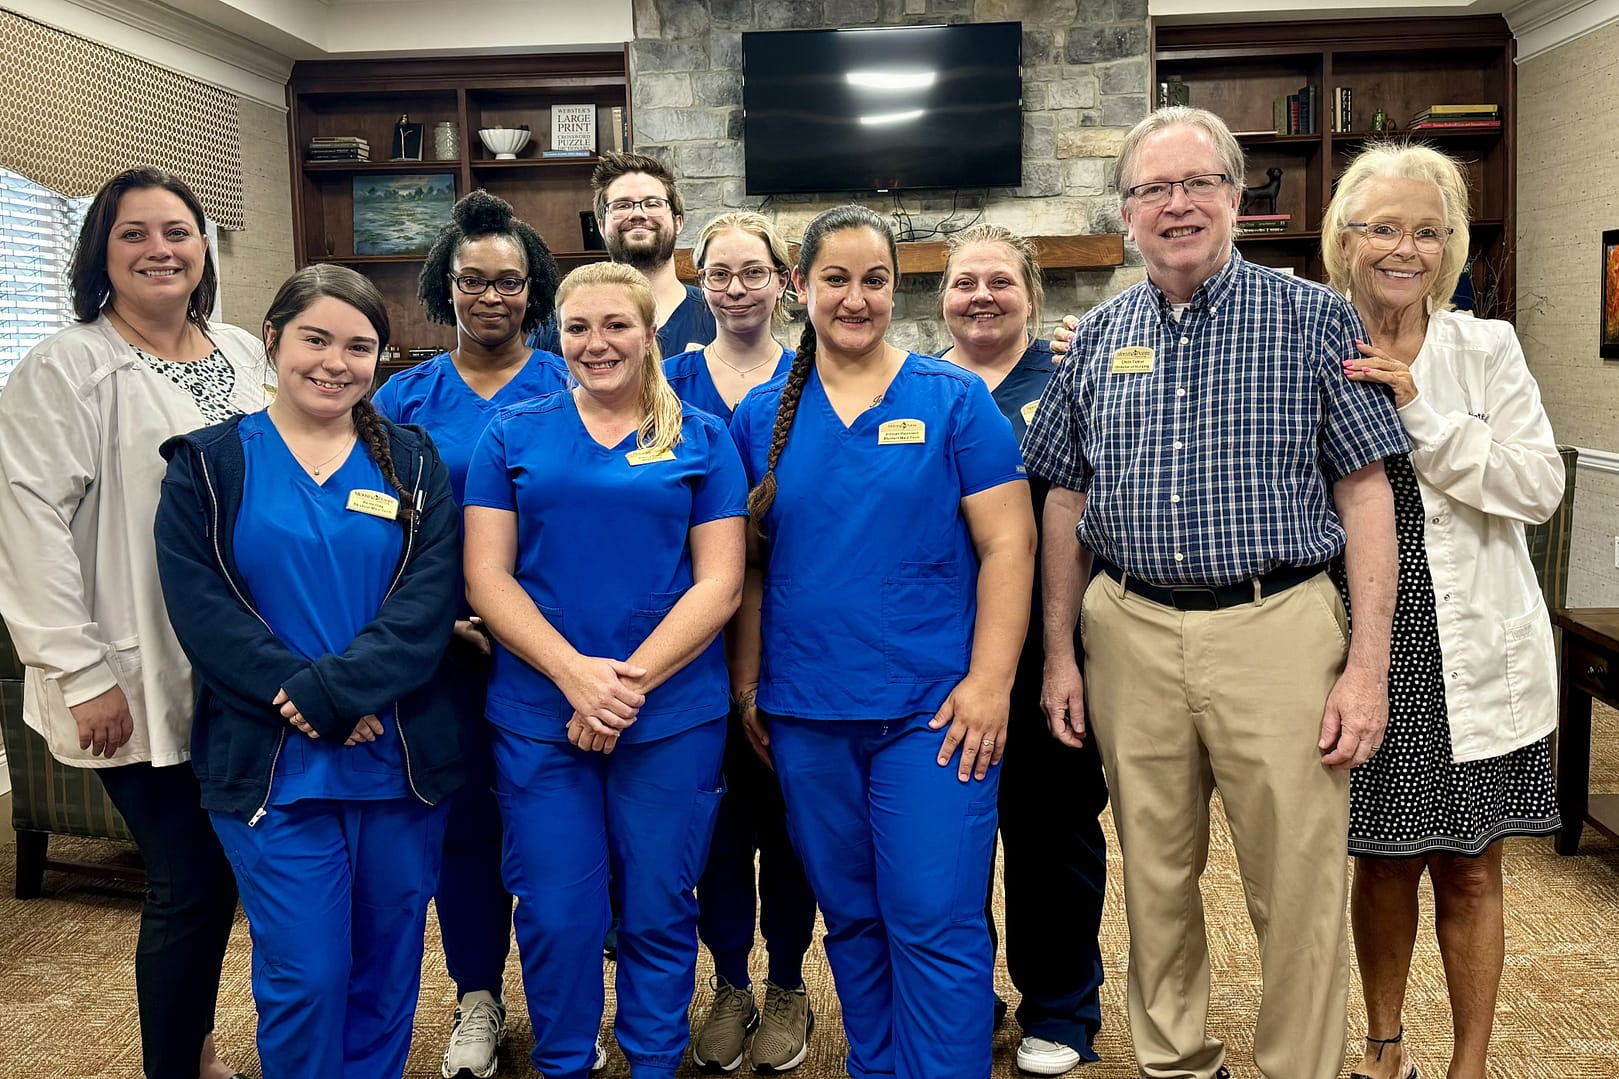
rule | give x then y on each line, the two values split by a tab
254	262
1568	193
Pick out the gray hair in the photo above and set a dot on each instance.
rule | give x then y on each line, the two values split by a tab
1225	144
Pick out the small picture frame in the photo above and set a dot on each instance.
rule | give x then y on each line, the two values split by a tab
407	144
1608	314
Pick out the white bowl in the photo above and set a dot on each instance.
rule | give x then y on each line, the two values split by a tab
504	142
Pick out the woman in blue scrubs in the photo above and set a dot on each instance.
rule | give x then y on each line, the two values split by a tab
886	604
604	537
1052	789
308	559
492	277
743	266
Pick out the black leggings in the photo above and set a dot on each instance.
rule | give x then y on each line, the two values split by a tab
186	922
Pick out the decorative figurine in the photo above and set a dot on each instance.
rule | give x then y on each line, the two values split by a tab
407	144
1382	121
1266	193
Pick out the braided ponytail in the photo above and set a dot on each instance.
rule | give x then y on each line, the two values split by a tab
370	429
837	219
763	496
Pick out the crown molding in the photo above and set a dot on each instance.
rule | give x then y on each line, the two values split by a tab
172	39
1542	25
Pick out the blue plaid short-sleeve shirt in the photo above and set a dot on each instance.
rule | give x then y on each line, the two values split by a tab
1207	446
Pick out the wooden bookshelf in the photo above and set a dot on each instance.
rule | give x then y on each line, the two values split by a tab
1400	65
365	97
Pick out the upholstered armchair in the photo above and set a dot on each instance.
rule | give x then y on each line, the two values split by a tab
47	798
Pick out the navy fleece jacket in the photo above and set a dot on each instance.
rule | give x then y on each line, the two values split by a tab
390	668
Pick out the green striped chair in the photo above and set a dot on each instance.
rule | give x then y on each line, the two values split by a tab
1549	543
48	798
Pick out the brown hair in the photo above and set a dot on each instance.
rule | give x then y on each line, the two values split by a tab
321	281
614	164
837	219
88	275
1023	250
660	405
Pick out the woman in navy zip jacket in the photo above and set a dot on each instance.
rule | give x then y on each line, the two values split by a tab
309	561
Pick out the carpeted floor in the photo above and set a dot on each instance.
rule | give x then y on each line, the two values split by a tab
67	987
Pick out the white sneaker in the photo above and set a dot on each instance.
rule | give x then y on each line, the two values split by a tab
480	1028
1037	1056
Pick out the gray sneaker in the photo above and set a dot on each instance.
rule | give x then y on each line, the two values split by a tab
722	1040
474	1048
783	1039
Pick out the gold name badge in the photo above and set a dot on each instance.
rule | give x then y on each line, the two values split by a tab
897	432
374	503
649	455
1028	411
1135	360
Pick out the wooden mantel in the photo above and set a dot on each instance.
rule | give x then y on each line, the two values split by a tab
1056	253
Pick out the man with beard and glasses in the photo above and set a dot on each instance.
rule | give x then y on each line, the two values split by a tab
640	212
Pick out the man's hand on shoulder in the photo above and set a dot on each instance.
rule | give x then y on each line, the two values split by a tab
1355	716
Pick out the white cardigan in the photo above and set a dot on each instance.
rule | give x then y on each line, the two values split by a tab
1486	464
81	420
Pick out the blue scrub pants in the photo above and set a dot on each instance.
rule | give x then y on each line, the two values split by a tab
474	907
898	851
336	897
639	821
752	818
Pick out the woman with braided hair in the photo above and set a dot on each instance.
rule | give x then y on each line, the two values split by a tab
309	560
886	603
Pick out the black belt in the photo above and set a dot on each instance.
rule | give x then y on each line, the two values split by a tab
1214	597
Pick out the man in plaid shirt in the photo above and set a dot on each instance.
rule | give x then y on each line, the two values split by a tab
1203	443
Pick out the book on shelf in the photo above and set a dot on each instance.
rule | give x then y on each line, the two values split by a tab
1264	217
1451	125
620	134
1343	109
1492	107
1258	134
1293	115
573	127
338	155
565	155
1278	111
338	140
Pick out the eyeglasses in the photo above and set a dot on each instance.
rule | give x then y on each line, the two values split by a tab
621	207
1386	236
1201	188
718	279
473	285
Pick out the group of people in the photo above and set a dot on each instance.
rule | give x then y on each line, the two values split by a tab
563	626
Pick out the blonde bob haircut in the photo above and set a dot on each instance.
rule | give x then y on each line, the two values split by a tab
1023	254
758	226
660	407
1232	162
1407	162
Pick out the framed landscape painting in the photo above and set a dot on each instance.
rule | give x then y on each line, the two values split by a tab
1610	295
400	214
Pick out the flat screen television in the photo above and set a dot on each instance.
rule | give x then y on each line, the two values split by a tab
885	109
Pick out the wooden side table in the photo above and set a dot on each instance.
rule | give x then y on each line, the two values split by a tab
1590	670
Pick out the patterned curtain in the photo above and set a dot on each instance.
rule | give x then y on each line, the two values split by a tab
74	113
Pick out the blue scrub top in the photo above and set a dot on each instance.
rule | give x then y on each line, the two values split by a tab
434	395
689	326
688	374
871	579
604	551
318	573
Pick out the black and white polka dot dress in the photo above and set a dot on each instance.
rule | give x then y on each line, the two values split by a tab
1412	798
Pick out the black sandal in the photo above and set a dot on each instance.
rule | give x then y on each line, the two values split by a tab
1383	1043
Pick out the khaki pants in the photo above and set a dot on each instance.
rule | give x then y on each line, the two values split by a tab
1182	702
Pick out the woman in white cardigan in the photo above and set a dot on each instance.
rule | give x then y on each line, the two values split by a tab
1472	680
107	686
